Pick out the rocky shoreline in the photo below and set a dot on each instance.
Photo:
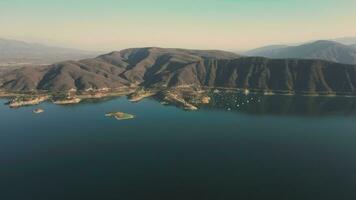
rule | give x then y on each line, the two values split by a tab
27	101
186	97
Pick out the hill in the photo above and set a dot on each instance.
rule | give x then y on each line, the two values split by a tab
158	67
325	50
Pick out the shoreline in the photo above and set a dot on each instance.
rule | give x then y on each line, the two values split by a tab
186	97
138	94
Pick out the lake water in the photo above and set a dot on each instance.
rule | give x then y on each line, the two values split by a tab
270	148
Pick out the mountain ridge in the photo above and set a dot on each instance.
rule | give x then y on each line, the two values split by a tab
15	52
168	68
322	49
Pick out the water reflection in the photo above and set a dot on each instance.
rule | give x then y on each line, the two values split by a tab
282	105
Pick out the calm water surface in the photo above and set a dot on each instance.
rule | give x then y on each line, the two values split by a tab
272	148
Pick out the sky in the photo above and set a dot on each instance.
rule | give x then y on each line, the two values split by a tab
104	25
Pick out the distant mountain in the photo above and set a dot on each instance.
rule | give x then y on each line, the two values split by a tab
353	45
270	49
157	67
325	50
15	52
345	40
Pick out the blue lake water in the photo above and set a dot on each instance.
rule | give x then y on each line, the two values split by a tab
277	148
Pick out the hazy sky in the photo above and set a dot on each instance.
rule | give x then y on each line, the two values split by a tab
204	24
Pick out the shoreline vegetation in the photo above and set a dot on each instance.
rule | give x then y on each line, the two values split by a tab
186	97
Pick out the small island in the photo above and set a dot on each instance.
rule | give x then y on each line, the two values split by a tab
38	111
120	115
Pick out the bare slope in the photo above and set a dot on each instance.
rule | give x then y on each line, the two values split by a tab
157	67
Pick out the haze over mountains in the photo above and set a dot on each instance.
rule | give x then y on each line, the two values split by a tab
345	40
13	52
325	50
158	67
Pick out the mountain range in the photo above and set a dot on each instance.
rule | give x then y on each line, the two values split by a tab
325	50
13	52
158	67
345	40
